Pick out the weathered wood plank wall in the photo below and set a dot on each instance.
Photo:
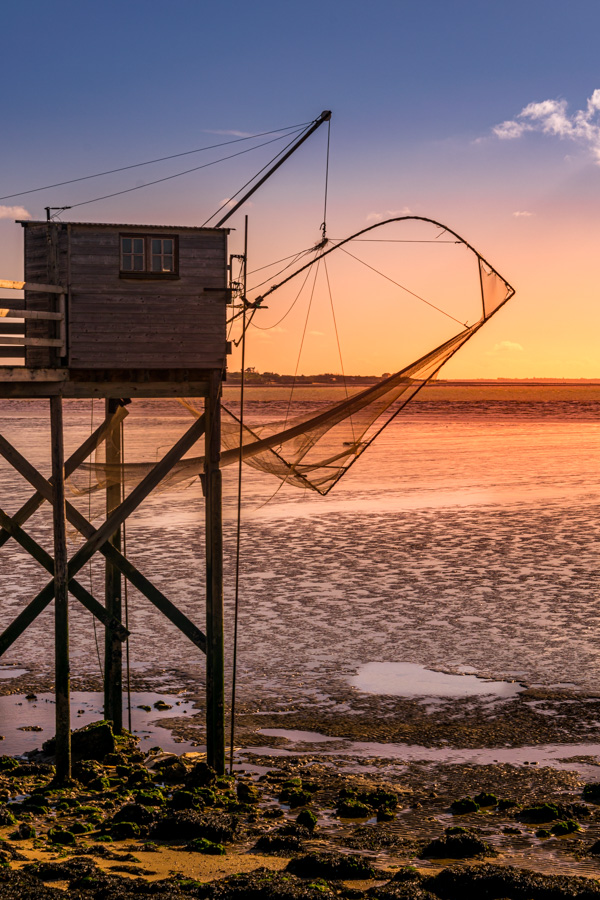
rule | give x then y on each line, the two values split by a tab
119	321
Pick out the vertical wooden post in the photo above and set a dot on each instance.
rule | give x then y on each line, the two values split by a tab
215	676
113	650
61	597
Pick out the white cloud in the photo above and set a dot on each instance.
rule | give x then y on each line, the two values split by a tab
522	214
230	133
551	117
507	347
14	212
388	214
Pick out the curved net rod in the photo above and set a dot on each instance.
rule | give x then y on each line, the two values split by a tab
313	451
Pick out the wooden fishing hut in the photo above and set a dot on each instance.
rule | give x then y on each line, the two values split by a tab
117	312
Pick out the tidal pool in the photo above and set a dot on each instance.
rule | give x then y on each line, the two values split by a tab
401	679
26	724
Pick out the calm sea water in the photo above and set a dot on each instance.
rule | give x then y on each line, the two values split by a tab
467	538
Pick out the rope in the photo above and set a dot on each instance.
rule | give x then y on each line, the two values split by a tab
337	337
397	283
125	585
312	294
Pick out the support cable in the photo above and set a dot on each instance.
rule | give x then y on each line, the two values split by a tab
254	177
150	162
239	506
214	162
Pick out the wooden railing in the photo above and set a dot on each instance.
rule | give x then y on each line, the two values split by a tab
12	337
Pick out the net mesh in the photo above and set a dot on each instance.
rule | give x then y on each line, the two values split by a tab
314	450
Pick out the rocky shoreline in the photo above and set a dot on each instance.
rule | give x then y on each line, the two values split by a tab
136	824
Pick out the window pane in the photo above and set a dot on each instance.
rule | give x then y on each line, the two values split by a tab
138	245
167	264
156	245
156	264
138	263
126	245
127	263
168	246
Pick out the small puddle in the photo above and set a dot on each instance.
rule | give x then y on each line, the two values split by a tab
7	672
17	713
411	680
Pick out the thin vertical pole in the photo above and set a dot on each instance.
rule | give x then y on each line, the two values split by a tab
215	676
61	597
113	651
236	610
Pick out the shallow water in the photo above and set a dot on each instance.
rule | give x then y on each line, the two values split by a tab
558	756
466	539
20	714
411	680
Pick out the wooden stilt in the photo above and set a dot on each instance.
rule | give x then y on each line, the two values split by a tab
61	597
215	678
113	651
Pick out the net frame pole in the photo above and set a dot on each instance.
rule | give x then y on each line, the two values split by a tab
113	648
215	654
61	597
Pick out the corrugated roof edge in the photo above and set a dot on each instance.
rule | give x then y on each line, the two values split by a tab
122	225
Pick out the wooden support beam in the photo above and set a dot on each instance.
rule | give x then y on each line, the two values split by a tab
79	592
41	601
215	662
29	286
61	598
73	463
113	654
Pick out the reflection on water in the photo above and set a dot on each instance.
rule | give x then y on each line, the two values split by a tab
28	723
411	680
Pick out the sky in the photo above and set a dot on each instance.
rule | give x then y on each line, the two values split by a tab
482	116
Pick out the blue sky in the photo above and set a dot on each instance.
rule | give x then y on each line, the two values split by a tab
415	89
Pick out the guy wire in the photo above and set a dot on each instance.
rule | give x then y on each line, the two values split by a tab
239	506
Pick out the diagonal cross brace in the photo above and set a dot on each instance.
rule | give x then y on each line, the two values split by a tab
73	463
34	549
97	539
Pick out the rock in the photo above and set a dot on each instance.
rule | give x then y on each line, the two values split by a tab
566	827
332	866
490	881
307	819
187	825
485	799
353	809
247	792
456	846
591	793
543	812
134	812
93	741
201	845
61	836
463	806
201	775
